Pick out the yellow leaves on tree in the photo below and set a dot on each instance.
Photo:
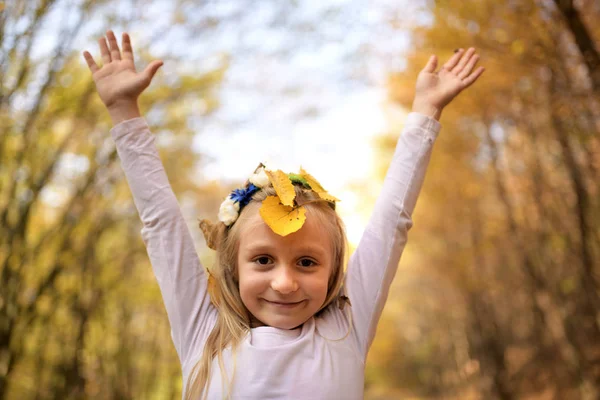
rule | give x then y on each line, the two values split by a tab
282	219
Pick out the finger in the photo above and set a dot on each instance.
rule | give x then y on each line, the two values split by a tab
90	62
468	81
431	64
152	68
127	49
104	50
453	60
469	67
115	53
463	61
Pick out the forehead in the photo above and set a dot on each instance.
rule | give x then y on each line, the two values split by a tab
255	233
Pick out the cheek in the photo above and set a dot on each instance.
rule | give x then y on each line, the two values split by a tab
319	285
251	283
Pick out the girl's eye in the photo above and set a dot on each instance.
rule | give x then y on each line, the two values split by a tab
306	262
262	260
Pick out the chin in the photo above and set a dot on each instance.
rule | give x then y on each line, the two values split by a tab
285	323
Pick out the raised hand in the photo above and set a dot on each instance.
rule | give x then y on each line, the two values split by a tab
117	81
434	90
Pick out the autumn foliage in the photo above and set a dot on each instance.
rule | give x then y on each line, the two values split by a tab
500	295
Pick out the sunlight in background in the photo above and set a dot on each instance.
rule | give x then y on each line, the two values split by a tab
291	96
336	148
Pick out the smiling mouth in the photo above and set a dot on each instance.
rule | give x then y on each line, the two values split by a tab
284	304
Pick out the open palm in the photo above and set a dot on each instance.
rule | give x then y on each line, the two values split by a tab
436	89
117	80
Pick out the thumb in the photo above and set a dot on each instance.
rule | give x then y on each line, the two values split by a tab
151	69
431	64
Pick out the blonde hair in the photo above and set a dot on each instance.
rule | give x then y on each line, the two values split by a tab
234	319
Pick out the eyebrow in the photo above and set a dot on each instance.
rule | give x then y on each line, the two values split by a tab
263	247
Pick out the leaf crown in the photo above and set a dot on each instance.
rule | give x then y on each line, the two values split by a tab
283	213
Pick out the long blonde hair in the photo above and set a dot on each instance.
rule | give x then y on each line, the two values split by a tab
234	319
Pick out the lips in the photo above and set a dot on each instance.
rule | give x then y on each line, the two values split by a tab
284	304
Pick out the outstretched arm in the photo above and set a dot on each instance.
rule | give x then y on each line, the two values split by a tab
373	265
169	244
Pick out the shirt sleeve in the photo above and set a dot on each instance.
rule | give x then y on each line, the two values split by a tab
181	278
373	265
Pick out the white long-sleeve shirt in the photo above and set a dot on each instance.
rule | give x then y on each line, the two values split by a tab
271	363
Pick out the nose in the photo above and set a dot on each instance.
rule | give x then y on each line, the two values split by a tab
284	281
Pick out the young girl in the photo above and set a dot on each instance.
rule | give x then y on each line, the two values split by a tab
276	317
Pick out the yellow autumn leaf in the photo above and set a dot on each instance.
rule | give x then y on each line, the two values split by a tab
213	289
283	186
316	186
282	219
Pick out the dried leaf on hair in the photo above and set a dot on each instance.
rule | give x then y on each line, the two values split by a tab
342	301
316	186
212	289
282	219
283	186
210	233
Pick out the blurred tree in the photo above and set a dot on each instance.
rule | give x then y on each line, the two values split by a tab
80	311
507	218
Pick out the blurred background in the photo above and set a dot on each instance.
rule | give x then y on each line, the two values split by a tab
497	294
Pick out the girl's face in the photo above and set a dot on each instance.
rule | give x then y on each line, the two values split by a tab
283	280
